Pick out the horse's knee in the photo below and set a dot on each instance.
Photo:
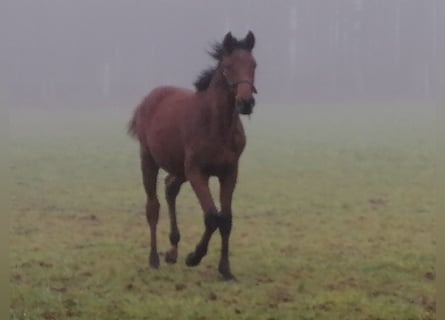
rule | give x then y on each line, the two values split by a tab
174	237
225	223
212	220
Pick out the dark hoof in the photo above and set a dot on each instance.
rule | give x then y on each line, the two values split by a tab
229	277
192	260
153	260
224	270
171	256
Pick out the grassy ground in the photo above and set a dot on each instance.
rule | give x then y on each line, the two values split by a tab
333	220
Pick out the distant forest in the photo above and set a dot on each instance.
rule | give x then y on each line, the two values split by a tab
111	53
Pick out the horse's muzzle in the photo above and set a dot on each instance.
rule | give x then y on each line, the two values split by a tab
245	106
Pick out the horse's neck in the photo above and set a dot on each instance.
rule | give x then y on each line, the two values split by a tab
224	116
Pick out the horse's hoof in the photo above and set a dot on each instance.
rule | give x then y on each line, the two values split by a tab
229	277
153	260
192	260
171	256
224	270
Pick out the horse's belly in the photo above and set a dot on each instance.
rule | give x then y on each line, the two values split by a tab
172	163
168	153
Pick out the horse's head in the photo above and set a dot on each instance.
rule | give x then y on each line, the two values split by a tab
238	67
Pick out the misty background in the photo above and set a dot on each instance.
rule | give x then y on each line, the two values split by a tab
110	53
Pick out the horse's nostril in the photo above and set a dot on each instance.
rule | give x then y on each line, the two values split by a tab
249	102
245	105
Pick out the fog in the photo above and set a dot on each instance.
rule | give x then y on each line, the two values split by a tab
104	53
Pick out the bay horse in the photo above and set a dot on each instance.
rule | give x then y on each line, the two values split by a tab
194	135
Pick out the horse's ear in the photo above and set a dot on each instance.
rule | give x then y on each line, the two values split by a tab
249	40
228	43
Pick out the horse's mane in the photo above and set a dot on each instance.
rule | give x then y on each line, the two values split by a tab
217	52
204	78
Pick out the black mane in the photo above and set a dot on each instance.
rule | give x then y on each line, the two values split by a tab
202	83
204	78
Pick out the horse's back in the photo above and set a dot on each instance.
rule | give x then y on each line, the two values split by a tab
158	121
160	101
166	97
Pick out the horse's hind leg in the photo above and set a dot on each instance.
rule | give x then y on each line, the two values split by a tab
172	187
149	175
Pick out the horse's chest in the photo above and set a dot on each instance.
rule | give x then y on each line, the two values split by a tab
220	160
222	157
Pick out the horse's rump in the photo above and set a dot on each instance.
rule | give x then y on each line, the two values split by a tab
151	102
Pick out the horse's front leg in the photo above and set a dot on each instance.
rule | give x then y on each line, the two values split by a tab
200	184
227	186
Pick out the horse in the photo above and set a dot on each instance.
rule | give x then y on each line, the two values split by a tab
194	135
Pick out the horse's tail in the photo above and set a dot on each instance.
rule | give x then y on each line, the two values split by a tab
132	127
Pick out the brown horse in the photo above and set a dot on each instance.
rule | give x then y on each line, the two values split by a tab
194	135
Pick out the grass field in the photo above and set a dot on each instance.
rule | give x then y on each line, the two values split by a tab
333	219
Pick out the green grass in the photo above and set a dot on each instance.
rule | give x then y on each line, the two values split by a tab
333	219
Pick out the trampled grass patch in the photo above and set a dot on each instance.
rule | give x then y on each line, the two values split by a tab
334	219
